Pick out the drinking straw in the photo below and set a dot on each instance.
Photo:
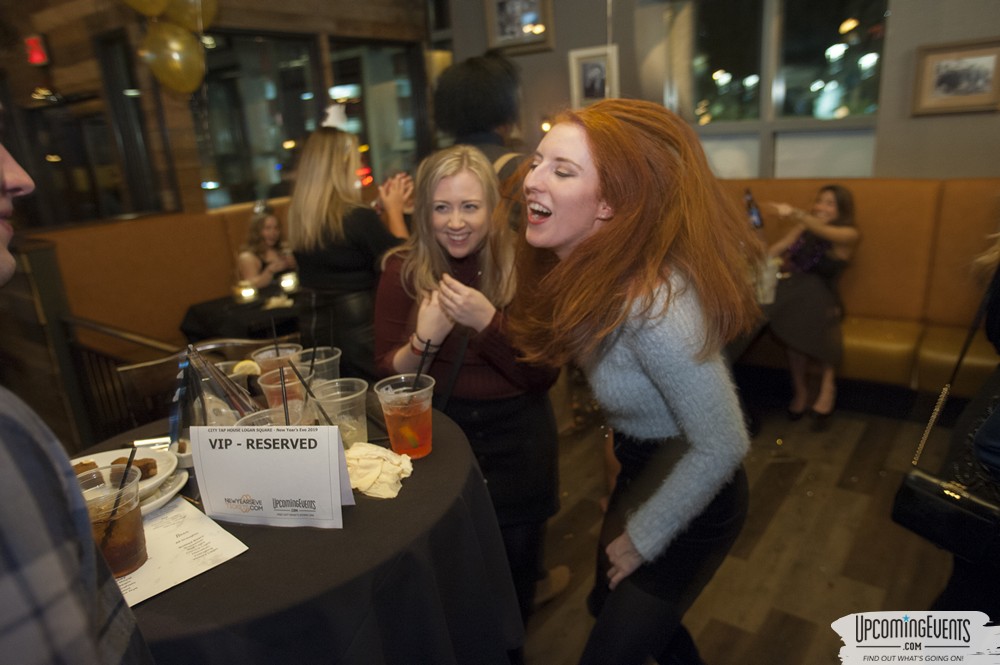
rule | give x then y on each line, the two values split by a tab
420	367
118	498
312	361
312	335
235	397
284	393
281	370
274	336
309	393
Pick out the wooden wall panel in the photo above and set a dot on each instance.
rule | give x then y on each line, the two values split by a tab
384	19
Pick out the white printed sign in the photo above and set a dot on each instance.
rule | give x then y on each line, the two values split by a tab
280	476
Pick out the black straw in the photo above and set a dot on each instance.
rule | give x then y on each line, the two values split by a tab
420	368
309	393
274	335
284	393
118	498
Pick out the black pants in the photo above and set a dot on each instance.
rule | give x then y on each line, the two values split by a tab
515	442
642	616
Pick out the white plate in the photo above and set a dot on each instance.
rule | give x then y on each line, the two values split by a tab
164	492
166	463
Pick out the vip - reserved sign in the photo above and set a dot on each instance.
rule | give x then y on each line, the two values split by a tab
281	476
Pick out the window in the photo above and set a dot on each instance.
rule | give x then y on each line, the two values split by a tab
829	58
381	85
830	53
775	81
257	108
726	61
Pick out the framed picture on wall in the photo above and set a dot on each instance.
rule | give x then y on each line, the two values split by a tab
958	77
519	26
593	74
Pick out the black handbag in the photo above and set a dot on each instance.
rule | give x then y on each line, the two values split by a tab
945	511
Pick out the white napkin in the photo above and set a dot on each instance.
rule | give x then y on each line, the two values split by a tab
377	471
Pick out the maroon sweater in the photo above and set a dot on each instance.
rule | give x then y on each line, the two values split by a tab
490	368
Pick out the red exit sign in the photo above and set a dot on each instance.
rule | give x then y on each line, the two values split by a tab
34	45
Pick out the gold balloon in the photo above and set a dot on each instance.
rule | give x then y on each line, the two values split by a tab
148	7
195	15
175	56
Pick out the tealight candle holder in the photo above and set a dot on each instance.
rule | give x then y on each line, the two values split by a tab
290	282
244	292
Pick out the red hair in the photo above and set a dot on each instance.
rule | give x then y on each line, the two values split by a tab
670	213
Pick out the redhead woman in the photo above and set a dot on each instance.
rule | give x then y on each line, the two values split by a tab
264	255
448	287
806	312
633	264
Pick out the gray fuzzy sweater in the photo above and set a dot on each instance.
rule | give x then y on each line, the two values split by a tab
651	386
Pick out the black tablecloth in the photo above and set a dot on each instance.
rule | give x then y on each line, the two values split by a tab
421	578
224	317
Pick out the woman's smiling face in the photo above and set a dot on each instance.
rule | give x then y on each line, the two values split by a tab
825	206
459	216
563	192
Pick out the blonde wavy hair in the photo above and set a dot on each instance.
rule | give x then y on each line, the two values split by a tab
326	188
425	261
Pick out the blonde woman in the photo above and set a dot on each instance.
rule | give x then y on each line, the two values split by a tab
339	241
447	290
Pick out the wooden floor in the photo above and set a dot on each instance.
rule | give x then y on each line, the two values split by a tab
818	543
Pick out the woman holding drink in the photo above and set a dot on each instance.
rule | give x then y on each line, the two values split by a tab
264	255
634	265
444	294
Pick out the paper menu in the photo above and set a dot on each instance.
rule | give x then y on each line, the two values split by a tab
181	543
279	476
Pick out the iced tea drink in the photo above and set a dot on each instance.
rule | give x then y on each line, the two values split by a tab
407	410
117	530
270	385
272	357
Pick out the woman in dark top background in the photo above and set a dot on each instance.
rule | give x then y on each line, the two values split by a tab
338	243
806	312
476	102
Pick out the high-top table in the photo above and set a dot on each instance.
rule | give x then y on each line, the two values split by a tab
421	578
223	317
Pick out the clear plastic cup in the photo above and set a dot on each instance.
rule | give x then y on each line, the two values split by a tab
275	417
345	402
115	516
326	365
270	358
407	410
270	385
